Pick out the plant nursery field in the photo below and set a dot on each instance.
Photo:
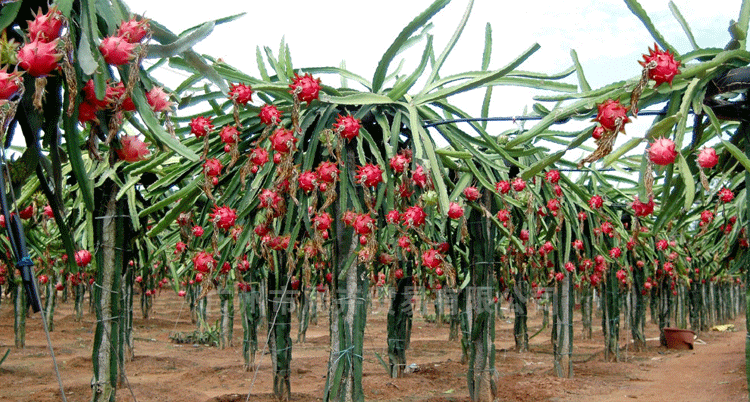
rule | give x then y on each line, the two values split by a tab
165	371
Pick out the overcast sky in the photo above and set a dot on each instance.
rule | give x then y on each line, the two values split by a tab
609	39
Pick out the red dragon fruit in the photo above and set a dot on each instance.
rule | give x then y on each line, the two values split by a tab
419	177
322	221
662	151
116	94
83	258
347	126
87	112
414	216
224	217
269	114
393	217
229	135
133	149
259	156
308	181
641	208
159	100
400	162
241	93
726	195
212	167
328	172
502	187
598	132
596	202
609	113
472	193
707	158
117	51
364	224
666	66
552	176
10	83
39	58
309	87
200	126
26	213
431	258
133	30
369	175
270	199
503	215
455	211
283	140
204	262
46	27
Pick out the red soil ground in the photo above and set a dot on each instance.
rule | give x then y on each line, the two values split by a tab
165	371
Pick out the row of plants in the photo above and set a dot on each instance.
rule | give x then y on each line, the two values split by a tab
281	182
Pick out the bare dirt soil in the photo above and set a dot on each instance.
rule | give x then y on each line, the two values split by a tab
165	371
